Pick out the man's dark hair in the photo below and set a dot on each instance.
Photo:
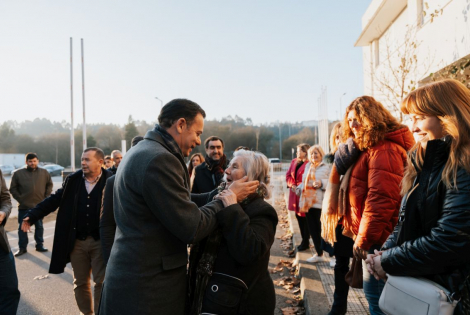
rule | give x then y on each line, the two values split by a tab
212	138
136	140
179	108
30	156
108	157
99	154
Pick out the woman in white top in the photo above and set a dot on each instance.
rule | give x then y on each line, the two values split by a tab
311	192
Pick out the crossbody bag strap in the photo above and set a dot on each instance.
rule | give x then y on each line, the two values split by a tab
242	309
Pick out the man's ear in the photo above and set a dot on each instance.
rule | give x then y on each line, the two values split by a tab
180	125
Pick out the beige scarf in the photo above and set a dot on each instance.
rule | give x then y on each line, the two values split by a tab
309	194
335	205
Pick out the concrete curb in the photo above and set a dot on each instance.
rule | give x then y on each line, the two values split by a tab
311	287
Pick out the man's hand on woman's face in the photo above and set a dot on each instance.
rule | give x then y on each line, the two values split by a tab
242	188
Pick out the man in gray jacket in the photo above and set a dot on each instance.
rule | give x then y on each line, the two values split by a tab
29	186
9	294
156	217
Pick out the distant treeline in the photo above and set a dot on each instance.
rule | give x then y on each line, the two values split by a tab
51	140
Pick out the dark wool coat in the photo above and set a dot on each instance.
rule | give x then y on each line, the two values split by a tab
248	234
156	219
204	180
5	206
107	222
65	199
435	236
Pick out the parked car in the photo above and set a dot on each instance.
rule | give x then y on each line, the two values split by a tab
54	170
274	160
6	169
41	166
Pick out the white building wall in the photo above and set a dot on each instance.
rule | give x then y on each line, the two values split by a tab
442	42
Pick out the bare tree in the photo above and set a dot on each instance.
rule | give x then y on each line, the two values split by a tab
398	73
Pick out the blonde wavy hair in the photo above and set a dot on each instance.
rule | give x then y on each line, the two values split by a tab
449	101
375	119
336	131
317	148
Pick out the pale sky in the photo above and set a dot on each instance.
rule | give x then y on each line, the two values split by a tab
264	59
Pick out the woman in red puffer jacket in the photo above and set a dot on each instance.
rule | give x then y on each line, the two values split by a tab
374	185
294	179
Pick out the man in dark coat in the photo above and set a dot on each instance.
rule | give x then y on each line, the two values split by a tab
209	174
77	237
107	221
156	219
9	294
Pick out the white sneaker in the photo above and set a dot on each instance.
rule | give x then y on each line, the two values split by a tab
332	262
315	258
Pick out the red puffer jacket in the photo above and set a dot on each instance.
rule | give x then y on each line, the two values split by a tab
374	189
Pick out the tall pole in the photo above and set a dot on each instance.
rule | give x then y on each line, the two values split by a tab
83	97
72	141
280	143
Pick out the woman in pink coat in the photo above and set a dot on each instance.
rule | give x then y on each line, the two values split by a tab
294	179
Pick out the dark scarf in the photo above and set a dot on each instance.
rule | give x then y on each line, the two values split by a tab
346	155
170	142
217	168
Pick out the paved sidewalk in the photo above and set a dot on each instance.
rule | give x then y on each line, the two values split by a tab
319	300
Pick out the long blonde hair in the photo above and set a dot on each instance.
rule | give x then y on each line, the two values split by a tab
375	119
449	101
336	131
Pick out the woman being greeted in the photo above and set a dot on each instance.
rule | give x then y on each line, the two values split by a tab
229	269
374	183
432	238
311	190
294	179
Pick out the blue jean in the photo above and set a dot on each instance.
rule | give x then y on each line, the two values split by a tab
9	294
372	288
23	237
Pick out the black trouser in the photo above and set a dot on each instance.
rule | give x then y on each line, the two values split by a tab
303	230
314	227
341	287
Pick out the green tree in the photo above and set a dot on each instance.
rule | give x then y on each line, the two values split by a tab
130	131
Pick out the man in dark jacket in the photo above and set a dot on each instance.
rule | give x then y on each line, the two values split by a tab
9	294
77	237
107	221
209	174
29	186
156	219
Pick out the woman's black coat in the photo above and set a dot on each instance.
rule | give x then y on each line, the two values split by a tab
248	234
435	235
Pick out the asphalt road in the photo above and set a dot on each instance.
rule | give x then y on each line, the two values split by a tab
51	295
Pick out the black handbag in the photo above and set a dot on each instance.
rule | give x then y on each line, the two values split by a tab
226	294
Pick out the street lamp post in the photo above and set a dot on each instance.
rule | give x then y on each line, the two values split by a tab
340	110
161	102
280	143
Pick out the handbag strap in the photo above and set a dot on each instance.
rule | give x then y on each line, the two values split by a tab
243	306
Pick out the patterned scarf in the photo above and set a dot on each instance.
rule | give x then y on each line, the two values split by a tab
217	168
309	194
170	142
